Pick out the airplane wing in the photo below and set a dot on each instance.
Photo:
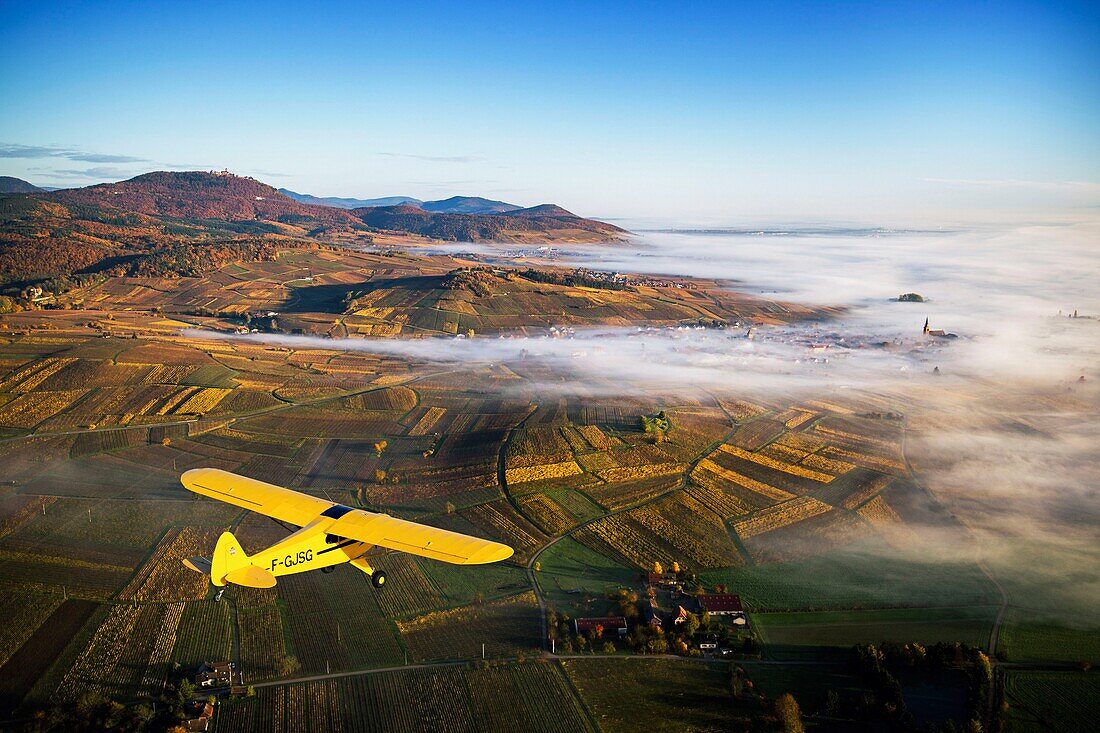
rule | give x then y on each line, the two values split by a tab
300	509
418	539
286	505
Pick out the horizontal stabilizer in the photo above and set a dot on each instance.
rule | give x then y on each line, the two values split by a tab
251	576
198	564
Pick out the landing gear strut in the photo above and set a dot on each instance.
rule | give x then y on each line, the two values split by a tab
378	578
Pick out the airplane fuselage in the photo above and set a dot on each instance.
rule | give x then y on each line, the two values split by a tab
310	548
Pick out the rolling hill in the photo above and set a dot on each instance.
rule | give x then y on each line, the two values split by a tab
10	184
184	223
538	224
206	197
197	195
468	205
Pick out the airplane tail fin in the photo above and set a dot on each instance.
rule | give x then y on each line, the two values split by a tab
228	557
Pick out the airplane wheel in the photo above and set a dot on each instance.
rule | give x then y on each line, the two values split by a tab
378	578
329	569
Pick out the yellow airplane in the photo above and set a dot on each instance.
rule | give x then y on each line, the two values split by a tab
330	534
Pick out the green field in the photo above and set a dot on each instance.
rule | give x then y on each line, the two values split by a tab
460	584
807	683
1066	702
1025	640
846	628
655	694
858	577
570	572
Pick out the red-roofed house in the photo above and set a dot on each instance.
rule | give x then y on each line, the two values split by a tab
723	604
610	624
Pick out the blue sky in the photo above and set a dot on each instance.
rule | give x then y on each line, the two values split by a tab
718	113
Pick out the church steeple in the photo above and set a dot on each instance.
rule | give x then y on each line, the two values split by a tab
925	327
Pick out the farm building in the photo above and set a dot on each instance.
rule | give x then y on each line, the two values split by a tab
218	674
723	604
203	712
650	615
681	616
662	579
610	624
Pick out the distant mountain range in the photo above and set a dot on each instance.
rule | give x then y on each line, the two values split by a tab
453	205
347	203
182	223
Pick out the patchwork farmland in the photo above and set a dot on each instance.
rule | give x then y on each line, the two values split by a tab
806	509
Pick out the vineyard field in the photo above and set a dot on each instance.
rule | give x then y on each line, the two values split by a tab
34	657
24	610
459	633
409	591
334	622
449	700
204	634
263	634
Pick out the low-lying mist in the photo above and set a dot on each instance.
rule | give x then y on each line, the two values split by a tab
1004	421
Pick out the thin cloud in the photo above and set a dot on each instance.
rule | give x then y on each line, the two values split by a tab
10	150
16	150
1017	183
268	174
100	158
438	158
95	173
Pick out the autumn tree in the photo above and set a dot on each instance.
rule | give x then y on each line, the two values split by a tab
789	714
691	625
737	681
380	446
658	568
289	665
